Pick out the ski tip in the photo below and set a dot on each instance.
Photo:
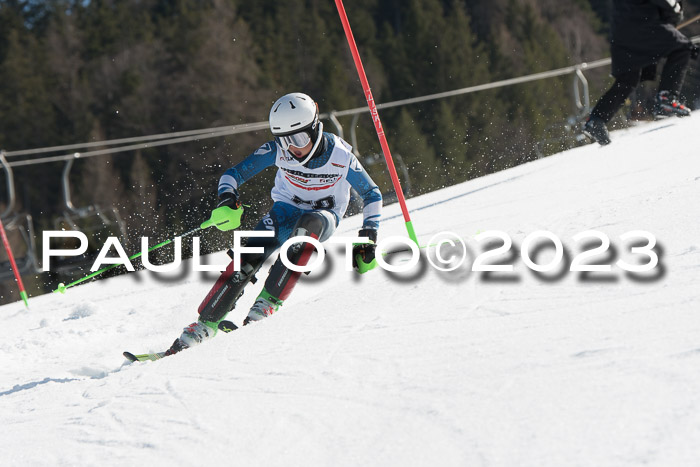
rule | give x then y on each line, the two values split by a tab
144	357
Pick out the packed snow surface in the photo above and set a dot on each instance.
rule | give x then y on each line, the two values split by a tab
418	368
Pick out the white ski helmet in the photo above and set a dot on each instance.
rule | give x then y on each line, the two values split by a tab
294	122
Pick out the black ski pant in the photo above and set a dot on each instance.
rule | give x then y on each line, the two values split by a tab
672	78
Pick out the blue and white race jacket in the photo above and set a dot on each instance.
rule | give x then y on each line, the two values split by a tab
324	183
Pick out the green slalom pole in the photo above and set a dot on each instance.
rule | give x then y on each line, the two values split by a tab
223	218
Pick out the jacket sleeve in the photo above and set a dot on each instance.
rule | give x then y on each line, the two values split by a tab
360	180
252	165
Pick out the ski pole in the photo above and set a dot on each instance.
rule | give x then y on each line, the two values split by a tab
62	287
6	242
690	21
375	118
223	218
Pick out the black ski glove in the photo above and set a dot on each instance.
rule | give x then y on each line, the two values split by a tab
364	252
230	199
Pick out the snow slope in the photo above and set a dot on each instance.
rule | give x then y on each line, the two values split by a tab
429	368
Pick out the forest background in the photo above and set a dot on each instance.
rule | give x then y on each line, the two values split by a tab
79	71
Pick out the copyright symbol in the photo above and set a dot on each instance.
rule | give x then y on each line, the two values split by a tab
446	240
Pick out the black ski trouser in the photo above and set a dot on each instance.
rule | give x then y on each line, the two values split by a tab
615	97
672	77
673	74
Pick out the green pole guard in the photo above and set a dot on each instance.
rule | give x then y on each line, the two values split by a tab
23	294
224	218
363	267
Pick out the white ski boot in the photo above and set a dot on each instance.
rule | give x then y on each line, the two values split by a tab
264	306
196	333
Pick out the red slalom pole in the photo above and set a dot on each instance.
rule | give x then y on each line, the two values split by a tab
22	292
375	118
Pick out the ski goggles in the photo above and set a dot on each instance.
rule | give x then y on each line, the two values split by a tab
298	140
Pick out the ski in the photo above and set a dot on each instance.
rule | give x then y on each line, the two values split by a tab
144	357
225	326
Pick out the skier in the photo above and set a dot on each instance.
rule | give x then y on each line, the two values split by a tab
643	32
315	171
